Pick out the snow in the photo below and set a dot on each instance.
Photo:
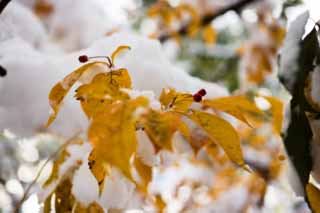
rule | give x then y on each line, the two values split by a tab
78	153
290	51
116	184
91	187
24	105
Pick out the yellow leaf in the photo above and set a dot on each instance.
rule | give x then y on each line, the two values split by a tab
221	132
209	35
60	90
118	51
98	168
160	128
277	112
160	204
145	173
180	102
113	133
103	90
237	106
313	194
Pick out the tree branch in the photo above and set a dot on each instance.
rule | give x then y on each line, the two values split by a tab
3	4
208	18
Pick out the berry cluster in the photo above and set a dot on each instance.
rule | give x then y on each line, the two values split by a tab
197	97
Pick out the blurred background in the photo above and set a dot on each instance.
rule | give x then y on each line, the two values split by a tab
236	47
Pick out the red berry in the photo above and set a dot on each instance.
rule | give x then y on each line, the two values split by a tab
3	71
202	92
83	58
197	97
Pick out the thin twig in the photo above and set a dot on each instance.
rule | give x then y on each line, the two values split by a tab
3	4
208	18
25	194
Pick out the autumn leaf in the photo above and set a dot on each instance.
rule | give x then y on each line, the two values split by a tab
238	106
313	194
180	102
160	128
277	112
98	168
112	134
118	51
60	90
209	35
221	132
145	173
63	156
103	90
159	203
63	198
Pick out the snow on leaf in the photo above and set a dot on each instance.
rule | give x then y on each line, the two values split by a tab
160	128
60	90
170	99
113	136
237	106
221	132
313	194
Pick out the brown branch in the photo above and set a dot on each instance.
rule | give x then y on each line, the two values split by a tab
209	17
3	4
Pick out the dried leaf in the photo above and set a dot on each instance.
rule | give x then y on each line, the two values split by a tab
221	132
64	200
60	90
313	194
